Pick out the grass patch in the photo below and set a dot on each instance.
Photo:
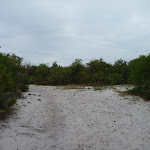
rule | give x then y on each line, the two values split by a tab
5	114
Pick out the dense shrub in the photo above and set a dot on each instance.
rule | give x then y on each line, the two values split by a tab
77	72
15	78
136	72
115	78
98	71
122	70
94	72
42	73
31	71
140	76
13	81
59	75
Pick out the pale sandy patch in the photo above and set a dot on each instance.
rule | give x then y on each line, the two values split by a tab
78	119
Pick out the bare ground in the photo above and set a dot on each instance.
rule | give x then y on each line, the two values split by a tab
79	119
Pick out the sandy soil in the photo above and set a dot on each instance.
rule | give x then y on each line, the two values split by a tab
80	119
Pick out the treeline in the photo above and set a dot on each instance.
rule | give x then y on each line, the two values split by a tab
13	81
136	72
94	72
15	77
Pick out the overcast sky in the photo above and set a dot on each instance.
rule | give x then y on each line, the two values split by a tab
44	31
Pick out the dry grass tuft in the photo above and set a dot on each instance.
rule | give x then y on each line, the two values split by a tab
122	93
70	87
80	87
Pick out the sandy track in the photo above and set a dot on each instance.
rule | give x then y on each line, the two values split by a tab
55	119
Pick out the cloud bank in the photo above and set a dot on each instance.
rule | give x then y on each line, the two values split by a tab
48	31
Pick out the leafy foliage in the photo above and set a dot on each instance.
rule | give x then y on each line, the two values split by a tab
140	76
121	67
94	72
13	80
59	75
99	71
77	69
136	72
116	78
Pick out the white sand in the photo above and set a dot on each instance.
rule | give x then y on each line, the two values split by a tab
55	119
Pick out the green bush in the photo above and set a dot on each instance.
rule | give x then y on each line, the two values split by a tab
59	75
94	72
13	81
98	77
115	78
122	70
140	76
77	69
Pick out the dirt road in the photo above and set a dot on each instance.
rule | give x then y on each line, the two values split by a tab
80	119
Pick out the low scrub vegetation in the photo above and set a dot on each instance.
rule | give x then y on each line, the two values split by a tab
94	72
140	76
15	77
13	81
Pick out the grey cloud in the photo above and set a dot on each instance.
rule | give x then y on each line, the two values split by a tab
61	31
